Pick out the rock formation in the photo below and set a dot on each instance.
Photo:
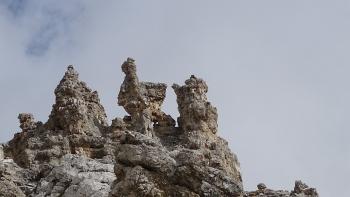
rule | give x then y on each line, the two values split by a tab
76	153
142	101
196	113
300	189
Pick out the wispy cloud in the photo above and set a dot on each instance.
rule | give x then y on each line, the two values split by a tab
53	21
15	7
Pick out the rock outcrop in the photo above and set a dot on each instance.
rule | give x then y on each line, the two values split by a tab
77	109
76	153
196	113
300	190
142	101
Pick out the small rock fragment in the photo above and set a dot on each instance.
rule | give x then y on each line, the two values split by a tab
26	121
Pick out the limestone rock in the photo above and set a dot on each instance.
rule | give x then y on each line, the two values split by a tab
2	156
77	176
15	181
76	125
196	113
76	153
142	100
300	190
77	108
26	121
172	161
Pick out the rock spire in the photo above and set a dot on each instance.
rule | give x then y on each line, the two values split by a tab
77	108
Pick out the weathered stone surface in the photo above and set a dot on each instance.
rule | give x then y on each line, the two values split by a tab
300	190
76	153
143	100
77	108
15	181
2	156
76	125
77	176
26	121
165	157
196	113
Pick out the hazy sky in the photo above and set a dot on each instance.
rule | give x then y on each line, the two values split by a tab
278	72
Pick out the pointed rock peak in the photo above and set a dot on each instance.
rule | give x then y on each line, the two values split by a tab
77	108
71	73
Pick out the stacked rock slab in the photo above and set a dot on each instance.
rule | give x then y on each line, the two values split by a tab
77	154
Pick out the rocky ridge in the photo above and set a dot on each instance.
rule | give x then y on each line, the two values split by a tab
76	153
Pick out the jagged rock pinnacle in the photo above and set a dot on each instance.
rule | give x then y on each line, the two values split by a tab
77	108
196	113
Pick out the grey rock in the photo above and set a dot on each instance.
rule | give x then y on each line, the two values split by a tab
300	190
15	181
2	155
77	176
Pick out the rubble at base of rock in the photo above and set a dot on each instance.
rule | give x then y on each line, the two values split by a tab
76	153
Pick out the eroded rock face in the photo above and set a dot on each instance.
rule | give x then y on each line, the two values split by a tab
1	152
196	113
142	101
76	153
77	176
166	166
155	158
27	122
77	109
14	180
76	125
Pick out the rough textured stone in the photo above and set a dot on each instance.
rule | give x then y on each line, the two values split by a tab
77	176
300	190
77	108
1	152
143	100
196	113
76	153
26	121
15	181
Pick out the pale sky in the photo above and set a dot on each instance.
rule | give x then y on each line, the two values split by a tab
278	72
